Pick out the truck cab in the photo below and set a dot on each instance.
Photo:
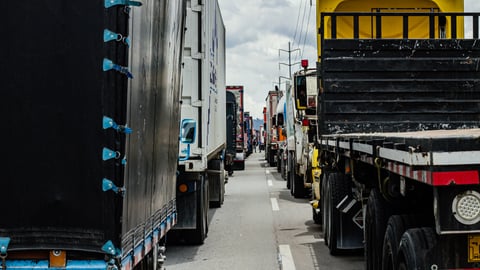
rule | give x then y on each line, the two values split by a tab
304	117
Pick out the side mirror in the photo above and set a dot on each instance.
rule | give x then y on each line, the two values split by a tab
188	131
280	121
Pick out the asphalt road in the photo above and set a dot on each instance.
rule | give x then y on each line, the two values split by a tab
260	226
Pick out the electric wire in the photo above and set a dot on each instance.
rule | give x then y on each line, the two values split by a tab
301	29
298	20
306	31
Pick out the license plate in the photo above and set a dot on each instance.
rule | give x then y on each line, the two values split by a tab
474	248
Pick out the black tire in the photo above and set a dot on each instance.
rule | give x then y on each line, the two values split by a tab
337	188
279	161
413	247
396	226
288	185
317	218
293	175
241	165
291	169
323	205
376	217
284	169
299	190
271	158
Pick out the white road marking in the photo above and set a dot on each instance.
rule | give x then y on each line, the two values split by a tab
267	171
286	257
270	183
274	204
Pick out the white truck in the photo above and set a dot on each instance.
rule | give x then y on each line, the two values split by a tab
301	122
201	179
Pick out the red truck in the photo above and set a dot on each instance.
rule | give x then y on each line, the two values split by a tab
239	160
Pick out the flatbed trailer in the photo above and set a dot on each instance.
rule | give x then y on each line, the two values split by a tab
398	137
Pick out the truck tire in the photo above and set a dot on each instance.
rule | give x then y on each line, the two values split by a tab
396	226
279	161
337	188
299	190
271	159
291	170
413	246
317	217
241	165
376	217
323	192
198	235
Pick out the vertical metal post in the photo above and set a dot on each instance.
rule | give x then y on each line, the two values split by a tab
356	31
453	18
432	26
475	26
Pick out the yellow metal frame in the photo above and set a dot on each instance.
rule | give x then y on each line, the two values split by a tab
391	26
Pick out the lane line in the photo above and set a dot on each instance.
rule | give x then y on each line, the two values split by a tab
286	257
274	204
270	183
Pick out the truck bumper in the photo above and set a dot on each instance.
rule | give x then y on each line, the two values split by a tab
454	252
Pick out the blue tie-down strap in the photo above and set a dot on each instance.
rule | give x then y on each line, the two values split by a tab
4	241
109	123
109	154
109	65
110	249
109	185
111	3
110	35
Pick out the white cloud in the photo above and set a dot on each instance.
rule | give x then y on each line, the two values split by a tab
256	30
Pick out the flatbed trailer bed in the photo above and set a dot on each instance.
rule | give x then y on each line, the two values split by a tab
424	156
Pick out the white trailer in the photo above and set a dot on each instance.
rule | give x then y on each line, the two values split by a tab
201	170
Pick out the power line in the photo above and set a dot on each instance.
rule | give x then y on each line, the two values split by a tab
298	20
303	21
306	30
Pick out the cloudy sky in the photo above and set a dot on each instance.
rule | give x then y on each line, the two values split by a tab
256	32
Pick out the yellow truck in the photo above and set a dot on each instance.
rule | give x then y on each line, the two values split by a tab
398	132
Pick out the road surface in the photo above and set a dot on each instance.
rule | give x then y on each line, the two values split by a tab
260	226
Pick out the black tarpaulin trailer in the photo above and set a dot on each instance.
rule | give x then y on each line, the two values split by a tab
73	181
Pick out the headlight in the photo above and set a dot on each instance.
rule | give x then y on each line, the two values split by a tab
466	207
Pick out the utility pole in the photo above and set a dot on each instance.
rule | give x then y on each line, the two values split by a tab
289	59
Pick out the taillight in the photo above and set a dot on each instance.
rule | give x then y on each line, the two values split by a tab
183	188
305	122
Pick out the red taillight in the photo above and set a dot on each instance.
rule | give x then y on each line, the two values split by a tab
305	122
